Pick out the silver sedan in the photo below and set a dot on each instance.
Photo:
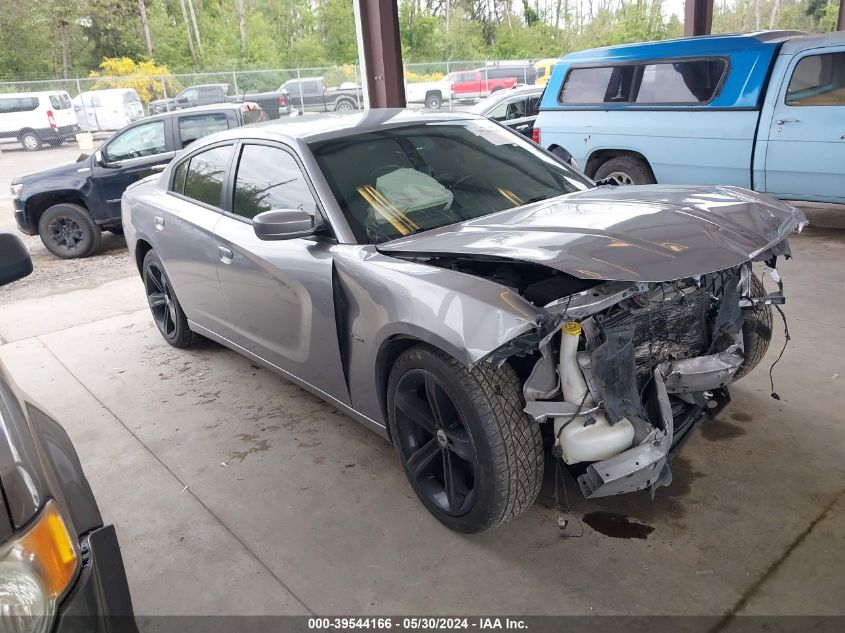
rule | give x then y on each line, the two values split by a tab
465	294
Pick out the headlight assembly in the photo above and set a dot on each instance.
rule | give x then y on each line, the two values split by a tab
36	567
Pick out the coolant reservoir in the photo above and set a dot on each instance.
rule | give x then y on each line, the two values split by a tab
585	440
594	442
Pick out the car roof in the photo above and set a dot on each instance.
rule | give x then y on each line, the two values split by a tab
814	40
686	46
335	125
37	93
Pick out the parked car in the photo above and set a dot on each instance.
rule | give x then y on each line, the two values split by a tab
204	94
439	278
763	110
107	110
469	85
517	108
60	566
544	68
36	118
432	94
309	94
70	204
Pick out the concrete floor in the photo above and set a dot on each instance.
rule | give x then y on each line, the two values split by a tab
235	492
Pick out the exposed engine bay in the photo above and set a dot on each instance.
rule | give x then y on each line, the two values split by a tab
622	372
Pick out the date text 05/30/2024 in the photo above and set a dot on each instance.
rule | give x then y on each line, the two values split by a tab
417	624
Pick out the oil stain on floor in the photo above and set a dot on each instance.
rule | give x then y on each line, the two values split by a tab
617	525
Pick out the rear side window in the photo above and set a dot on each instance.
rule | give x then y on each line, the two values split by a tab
196	126
608	84
18	104
269	178
688	82
206	175
691	82
818	80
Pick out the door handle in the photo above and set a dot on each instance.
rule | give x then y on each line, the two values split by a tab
159	221
782	121
225	255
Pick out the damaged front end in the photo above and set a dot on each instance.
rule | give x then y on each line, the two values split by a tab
626	371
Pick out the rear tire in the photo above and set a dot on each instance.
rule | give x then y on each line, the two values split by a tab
56	142
345	105
68	231
756	331
626	170
433	102
493	450
31	141
165	308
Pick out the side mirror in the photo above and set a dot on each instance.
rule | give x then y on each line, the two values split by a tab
15	262
99	159
284	224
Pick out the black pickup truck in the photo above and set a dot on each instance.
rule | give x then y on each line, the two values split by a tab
309	94
69	205
274	104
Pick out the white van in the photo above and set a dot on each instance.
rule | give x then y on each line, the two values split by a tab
110	109
35	118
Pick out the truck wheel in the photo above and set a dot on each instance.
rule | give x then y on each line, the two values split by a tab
68	231
433	102
626	170
756	331
345	105
56	142
31	141
471	454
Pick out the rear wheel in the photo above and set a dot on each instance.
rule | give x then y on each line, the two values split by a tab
31	141
164	306
68	231
471	454
56	142
433	102
345	105
626	170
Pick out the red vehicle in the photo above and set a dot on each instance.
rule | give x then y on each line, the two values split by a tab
475	84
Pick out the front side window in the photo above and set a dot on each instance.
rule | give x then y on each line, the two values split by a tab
818	80
393	183
269	178
137	142
190	94
179	174
513	109
198	125
206	175
687	82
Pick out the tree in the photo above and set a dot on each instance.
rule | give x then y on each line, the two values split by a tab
146	78
145	25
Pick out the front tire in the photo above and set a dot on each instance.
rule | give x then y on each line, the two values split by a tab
470	452
68	231
164	306
756	331
31	141
626	170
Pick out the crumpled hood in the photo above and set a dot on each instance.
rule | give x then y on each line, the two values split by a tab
634	233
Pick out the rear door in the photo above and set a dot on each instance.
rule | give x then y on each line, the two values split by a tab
279	293
184	233
190	127
62	108
806	138
466	85
129	156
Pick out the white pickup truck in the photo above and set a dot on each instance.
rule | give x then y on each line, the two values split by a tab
430	93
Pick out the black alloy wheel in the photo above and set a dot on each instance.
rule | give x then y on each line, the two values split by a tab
66	233
161	301
164	306
434	443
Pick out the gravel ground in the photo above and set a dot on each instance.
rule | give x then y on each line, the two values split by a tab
53	275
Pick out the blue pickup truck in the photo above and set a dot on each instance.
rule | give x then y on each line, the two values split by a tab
765	111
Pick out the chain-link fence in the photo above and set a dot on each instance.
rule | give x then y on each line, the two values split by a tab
278	91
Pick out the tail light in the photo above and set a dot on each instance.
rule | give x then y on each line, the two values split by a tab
535	135
51	119
282	101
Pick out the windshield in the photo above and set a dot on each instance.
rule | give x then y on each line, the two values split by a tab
392	183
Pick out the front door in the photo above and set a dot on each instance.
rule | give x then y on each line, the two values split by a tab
806	149
279	293
129	156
